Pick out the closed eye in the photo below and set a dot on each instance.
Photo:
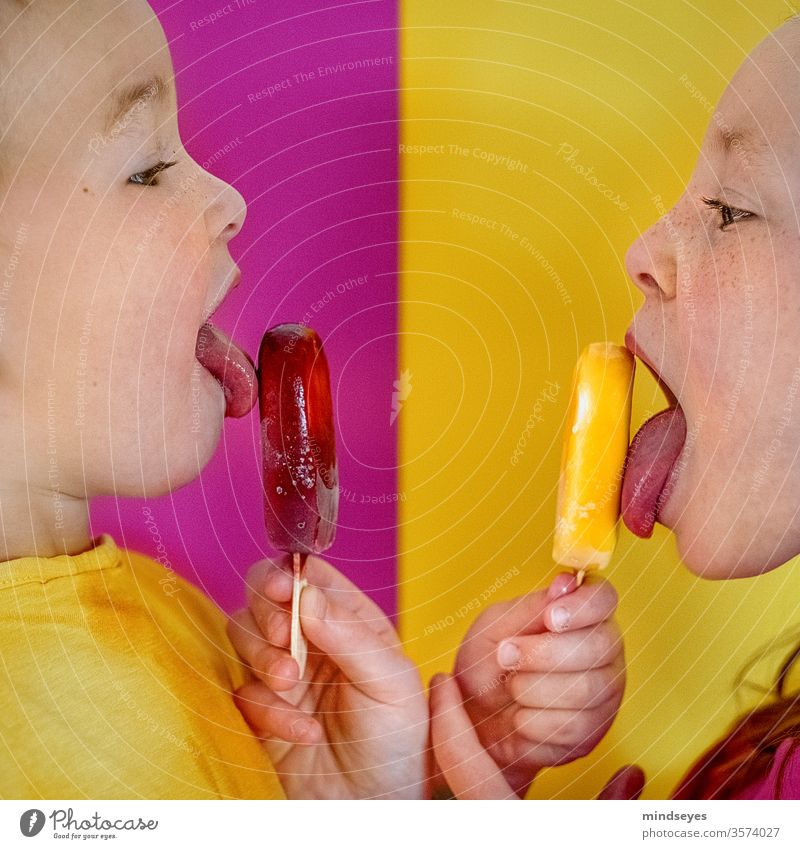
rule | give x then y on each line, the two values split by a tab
150	176
728	214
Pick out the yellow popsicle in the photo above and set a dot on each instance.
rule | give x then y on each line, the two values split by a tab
593	457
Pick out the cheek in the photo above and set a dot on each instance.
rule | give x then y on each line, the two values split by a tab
151	287
165	294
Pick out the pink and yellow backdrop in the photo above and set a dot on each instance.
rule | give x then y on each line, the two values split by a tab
446	191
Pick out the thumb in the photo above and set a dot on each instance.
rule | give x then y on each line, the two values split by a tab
626	783
469	770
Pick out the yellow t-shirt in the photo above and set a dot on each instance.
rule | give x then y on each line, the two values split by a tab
115	683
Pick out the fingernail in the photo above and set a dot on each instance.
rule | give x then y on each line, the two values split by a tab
282	668
507	655
562	584
560	617
300	728
316	601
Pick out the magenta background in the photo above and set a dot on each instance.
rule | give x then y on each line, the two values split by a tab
317	165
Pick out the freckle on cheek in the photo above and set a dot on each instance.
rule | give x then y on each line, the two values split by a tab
86	190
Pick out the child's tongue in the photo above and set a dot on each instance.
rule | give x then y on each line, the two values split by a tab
651	456
232	368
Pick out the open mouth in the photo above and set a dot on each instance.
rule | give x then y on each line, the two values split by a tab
650	467
231	367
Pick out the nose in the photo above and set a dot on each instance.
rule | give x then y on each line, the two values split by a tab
226	211
651	260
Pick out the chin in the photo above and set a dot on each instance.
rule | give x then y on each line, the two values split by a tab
705	556
189	449
717	555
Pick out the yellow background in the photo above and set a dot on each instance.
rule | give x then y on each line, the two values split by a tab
488	319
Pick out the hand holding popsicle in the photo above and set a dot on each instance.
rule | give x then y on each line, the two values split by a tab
542	676
354	723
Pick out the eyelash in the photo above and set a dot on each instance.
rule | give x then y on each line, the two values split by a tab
730	214
150	177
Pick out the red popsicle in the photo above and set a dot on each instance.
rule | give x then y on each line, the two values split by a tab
301	482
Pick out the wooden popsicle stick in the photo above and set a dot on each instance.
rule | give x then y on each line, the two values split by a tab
299	646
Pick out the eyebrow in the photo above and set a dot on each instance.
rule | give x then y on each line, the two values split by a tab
755	149
133	98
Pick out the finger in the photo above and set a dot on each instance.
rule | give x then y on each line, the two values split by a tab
274	622
562	584
521	615
626	783
578	730
376	667
320	573
275	578
469	770
270	716
568	690
270	580
273	665
573	651
589	605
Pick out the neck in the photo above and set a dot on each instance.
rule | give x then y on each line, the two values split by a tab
40	522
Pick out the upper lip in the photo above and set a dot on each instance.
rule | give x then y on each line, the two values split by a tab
633	346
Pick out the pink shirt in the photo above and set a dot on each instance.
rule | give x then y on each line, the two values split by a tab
765	788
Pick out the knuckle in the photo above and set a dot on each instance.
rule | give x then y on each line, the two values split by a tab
584	690
521	688
609	595
600	685
604	644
